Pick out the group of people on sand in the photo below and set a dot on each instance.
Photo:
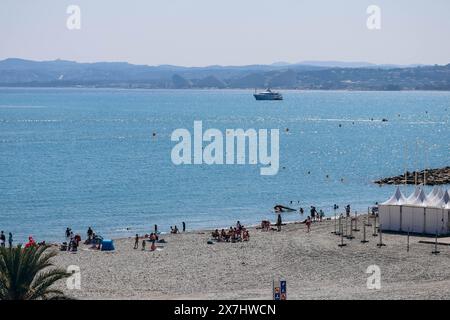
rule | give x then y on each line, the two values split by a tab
31	242
233	234
314	214
73	240
153	238
175	230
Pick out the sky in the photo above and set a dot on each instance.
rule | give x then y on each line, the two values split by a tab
226	32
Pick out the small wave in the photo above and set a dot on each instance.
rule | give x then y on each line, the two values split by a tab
426	122
342	120
39	120
21	107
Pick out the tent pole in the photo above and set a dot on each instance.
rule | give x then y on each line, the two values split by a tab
406	164
416	169
435	245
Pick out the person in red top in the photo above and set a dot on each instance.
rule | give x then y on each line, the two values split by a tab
30	243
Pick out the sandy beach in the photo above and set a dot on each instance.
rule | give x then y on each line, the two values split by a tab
312	263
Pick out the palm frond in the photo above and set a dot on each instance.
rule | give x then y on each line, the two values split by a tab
28	274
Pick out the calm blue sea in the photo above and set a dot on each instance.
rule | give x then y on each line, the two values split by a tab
88	157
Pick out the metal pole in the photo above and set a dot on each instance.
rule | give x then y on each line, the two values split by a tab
350	236
435	245
407	243
374	226
364	234
342	244
335	232
368	224
346	229
340	227
380	232
356	222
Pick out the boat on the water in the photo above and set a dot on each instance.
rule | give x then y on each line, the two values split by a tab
268	95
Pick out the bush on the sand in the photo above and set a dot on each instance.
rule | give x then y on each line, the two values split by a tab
28	274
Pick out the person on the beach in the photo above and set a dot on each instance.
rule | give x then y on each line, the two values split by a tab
30	243
279	222
308	224
238	234
301	211
143	244
136	241
230	234
245	235
321	215
67	232
156	228
2	239
89	233
184	226
347	210
238	225
10	240
223	235
313	213
215	234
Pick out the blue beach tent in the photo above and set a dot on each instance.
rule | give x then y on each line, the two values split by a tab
107	245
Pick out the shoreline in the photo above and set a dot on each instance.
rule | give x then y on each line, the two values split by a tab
209	229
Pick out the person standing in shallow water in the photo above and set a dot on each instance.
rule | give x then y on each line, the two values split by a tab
136	241
184	226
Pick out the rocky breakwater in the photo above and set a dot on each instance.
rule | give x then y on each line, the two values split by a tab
429	177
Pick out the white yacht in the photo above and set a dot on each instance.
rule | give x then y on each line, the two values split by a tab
268	95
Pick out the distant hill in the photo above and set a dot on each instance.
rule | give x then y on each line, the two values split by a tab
327	75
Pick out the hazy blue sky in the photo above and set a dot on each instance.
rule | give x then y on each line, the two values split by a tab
226	32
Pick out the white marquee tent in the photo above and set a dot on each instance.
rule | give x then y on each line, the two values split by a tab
418	213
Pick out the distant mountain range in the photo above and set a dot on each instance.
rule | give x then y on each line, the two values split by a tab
316	75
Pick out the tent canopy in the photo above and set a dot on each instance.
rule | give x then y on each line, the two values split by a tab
397	198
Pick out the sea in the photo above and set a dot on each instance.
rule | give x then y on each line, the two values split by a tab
80	157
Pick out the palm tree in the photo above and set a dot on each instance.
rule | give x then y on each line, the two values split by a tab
28	274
